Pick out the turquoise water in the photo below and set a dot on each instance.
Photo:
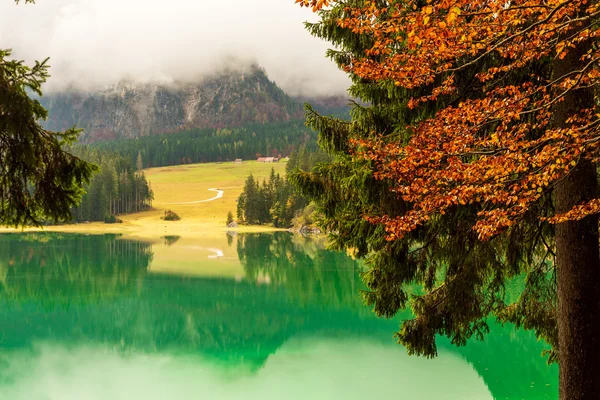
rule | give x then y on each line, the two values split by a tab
247	317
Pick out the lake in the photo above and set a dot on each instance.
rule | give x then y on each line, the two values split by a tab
252	316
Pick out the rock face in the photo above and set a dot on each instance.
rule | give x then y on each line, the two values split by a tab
130	110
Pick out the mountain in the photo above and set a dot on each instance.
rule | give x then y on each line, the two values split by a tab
130	110
336	105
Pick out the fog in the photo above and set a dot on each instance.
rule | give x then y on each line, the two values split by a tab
94	43
308	369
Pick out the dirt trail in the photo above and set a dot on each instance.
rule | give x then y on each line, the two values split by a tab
218	196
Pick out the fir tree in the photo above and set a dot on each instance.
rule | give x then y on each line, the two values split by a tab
461	279
38	179
251	200
139	165
276	201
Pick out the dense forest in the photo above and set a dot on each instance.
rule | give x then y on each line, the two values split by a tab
276	201
212	145
119	188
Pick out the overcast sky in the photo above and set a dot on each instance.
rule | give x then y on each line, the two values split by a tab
99	42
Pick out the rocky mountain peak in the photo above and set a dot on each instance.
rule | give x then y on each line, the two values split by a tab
131	109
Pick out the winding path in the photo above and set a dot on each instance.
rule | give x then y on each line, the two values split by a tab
218	196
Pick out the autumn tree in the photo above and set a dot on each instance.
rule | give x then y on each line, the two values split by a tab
504	131
347	189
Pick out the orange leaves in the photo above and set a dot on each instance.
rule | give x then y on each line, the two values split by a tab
578	212
450	162
561	49
441	36
453	14
497	149
315	4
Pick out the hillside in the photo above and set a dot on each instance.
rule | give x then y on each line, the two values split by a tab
210	145
130	110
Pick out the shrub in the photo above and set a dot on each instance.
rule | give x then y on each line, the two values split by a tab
112	219
170	216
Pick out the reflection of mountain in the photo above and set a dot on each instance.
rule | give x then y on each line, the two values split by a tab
315	368
94	290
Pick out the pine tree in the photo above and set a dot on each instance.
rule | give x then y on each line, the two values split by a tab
252	209
38	179
139	165
461	278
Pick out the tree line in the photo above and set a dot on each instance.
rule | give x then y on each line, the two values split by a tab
212	145
276	201
119	188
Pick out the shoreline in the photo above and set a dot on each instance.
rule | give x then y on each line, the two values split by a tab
142	225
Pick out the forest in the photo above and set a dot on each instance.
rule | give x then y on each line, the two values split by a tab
276	201
120	187
213	145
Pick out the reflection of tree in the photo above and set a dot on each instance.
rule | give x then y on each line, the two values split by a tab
307	274
230	235
69	268
170	239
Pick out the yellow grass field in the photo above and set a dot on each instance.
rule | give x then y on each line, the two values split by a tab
185	184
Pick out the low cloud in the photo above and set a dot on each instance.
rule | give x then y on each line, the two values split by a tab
94	43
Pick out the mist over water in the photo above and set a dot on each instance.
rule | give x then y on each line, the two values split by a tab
95	43
309	368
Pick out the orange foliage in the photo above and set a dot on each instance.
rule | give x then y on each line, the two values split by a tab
315	4
500	149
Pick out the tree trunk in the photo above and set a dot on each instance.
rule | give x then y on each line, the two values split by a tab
578	277
577	259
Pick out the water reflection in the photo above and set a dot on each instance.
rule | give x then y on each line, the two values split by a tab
269	312
54	268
